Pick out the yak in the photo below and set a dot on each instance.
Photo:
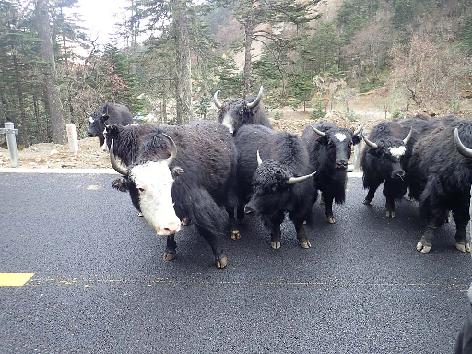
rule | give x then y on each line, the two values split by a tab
381	160
273	178
180	172
109	113
440	167
234	113
329	147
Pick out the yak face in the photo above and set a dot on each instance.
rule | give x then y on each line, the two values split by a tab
387	158
97	124
338	143
387	155
151	183
235	113
271	188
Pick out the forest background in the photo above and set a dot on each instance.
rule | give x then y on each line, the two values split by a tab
169	57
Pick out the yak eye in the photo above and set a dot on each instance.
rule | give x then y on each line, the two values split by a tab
140	189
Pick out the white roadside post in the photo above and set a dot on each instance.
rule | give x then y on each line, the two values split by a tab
11	134
72	138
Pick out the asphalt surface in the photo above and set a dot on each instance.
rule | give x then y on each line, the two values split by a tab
100	284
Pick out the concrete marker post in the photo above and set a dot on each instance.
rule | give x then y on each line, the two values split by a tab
72	138
11	133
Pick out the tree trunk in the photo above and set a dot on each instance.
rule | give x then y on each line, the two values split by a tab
248	38
183	70
52	91
22	122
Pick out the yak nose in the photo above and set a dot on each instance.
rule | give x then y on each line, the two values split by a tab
399	174
341	164
248	209
169	228
89	134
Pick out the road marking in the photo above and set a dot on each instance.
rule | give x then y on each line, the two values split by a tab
14	279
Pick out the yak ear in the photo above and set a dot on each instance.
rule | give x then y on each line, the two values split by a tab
356	139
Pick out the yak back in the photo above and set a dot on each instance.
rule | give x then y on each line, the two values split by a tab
119	113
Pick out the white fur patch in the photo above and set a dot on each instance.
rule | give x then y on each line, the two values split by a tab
105	146
398	151
340	137
228	122
90	120
155	201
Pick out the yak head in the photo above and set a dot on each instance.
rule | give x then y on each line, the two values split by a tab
387	154
149	181
272	183
338	143
235	113
96	122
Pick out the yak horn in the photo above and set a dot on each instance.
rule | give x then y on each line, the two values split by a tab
293	180
257	100
173	149
319	132
358	131
259	160
460	147
218	103
370	143
117	166
405	141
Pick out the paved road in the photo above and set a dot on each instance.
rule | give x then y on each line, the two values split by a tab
100	284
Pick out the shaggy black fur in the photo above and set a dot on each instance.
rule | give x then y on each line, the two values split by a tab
204	172
441	177
109	113
284	155
240	114
329	158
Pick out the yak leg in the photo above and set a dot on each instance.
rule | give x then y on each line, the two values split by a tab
328	198
370	194
210	221
435	216
302	237
235	233
273	222
169	253
389	207
461	218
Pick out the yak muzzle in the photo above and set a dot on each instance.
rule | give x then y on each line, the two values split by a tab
398	174
341	165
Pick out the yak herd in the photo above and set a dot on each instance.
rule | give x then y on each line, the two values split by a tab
210	174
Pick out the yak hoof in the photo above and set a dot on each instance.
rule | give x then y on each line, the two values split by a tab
367	202
168	256
463	246
390	214
305	244
275	245
221	262
235	235
423	247
139	214
331	220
